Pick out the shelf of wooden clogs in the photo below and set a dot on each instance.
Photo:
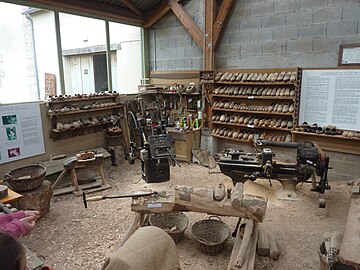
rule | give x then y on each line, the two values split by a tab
251	126
232	139
255	97
257	83
85	99
252	112
84	111
335	143
56	134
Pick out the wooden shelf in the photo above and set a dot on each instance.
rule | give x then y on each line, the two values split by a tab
85	111
84	99
255	97
64	134
257	83
252	112
172	93
335	143
251	126
230	138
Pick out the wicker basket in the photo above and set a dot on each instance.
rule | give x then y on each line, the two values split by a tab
174	223
210	235
26	178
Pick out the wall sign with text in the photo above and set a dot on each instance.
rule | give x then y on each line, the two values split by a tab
21	132
331	97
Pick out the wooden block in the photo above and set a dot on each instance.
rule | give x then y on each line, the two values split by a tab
263	245
240	258
350	247
274	248
219	192
37	199
237	195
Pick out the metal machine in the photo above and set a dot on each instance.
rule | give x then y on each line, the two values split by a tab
150	143
310	162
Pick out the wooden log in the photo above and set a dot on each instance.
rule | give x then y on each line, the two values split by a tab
37	199
201	200
252	248
349	250
236	248
274	248
219	192
240	258
237	195
263	245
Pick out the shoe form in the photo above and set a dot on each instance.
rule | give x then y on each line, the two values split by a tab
222	118
223	77
261	89
268	93
282	92
288	138
281	76
278	123
275	107
230	133
236	90
235	134
213	118
274	77
285	108
244	77
245	136
254	91
291	108
269	77
261	122
284	124
217	90
226	105
241	119
264	77
289	124
226	133
258	79
263	93
238	78
241	134
228	77
236	119
293	76
287	76
292	93
233	77
278	92
256	121
231	106
218	76
251	137
253	78
280	108
287	92
273	91
249	77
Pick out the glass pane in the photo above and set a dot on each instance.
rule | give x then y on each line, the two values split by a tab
83	42
126	58
18	80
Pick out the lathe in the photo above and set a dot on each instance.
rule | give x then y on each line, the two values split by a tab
311	162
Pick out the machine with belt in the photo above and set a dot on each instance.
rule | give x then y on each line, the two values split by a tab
311	162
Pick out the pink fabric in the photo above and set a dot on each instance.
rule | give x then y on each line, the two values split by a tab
10	223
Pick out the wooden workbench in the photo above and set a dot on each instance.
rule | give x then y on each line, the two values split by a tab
184	141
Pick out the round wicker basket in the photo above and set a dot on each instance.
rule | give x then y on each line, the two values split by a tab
210	235
26	178
174	223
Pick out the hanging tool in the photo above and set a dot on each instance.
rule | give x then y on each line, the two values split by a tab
104	197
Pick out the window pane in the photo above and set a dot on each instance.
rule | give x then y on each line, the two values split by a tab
83	42
126	57
18	80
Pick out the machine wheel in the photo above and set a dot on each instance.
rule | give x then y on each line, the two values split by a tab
322	203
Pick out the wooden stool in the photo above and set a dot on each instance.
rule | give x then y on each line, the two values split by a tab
71	165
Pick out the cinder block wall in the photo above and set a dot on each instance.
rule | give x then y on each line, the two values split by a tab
288	33
171	46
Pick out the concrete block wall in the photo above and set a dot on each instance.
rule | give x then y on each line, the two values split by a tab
288	33
171	46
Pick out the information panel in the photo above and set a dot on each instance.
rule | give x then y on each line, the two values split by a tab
331	97
20	132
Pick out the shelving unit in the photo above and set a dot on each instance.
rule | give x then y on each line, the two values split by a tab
258	100
79	109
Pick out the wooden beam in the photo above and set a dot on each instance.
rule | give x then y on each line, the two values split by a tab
221	21
186	20
133	8
208	51
86	8
153	16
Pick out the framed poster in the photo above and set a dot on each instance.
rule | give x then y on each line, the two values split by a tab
331	97
21	132
349	54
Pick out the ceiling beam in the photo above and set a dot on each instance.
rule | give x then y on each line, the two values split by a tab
221	21
184	17
153	16
133	8
88	8
208	52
